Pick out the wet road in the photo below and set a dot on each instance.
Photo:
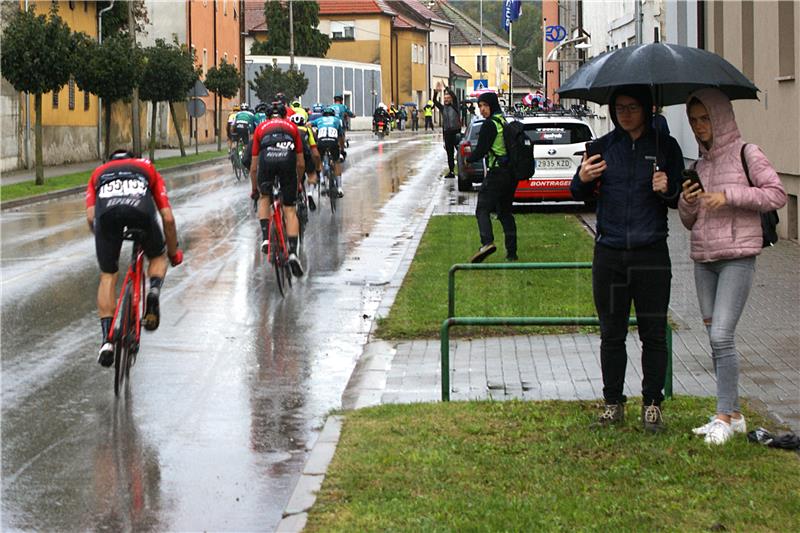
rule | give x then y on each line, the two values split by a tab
229	394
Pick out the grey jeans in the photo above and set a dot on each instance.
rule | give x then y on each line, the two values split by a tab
722	290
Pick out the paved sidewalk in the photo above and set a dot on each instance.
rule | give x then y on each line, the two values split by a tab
25	174
568	366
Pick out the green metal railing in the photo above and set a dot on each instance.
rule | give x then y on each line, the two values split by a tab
452	320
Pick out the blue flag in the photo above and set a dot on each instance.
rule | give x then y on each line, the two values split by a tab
512	9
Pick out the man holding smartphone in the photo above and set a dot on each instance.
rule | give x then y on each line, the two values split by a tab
634	176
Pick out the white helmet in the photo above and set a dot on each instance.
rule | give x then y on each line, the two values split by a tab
298	119
382	105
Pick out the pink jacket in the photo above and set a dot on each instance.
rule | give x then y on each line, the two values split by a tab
733	230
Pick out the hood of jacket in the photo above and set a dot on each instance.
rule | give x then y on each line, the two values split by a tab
640	93
723	122
491	100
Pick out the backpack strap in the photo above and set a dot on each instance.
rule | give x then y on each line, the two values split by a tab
744	164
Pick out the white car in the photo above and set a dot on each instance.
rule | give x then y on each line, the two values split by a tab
559	144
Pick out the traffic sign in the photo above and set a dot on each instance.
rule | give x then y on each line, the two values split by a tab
197	90
555	34
478	85
196	108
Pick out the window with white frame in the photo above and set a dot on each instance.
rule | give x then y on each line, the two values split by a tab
343	29
413	53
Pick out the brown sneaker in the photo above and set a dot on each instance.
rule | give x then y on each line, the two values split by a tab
483	252
652	420
612	415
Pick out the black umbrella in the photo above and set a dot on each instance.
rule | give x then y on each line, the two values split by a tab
672	71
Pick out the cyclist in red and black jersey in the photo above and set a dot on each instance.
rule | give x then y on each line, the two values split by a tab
278	152
129	193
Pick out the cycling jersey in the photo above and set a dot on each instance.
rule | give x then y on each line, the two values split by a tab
125	194
328	128
342	110
277	143
246	117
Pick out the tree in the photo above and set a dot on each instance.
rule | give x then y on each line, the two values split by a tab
38	57
169	74
272	80
109	70
223	81
115	20
308	41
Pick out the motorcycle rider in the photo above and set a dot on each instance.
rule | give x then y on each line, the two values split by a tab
380	114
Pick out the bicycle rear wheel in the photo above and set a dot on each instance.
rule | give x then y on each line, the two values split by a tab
122	342
333	191
279	263
235	164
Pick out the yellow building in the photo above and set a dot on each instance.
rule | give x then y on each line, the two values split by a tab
69	116
490	63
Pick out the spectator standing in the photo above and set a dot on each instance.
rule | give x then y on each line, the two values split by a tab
414	119
451	126
427	111
497	191
726	237
634	181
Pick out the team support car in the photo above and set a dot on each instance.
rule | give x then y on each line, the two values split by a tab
559	144
469	173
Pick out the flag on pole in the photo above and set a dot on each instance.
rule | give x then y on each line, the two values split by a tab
512	9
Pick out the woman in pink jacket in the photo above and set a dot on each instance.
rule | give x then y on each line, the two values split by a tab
726	238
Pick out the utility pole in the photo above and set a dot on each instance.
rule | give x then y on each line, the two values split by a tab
291	36
137	141
480	59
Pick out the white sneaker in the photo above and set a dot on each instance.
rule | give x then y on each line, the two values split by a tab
106	355
720	432
738	425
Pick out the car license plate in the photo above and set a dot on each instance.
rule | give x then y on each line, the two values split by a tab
546	164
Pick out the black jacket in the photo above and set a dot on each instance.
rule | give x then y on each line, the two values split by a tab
629	213
451	118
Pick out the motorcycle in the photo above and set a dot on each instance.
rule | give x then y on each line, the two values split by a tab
381	129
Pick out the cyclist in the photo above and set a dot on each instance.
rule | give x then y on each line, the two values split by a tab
127	192
261	113
310	153
229	126
244	124
277	152
316	112
342	111
330	139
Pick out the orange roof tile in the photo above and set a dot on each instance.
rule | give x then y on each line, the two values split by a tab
353	7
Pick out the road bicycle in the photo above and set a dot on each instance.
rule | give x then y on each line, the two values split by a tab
126	326
301	205
329	181
278	249
239	170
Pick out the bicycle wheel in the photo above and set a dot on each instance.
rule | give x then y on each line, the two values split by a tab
277	256
235	163
121	345
333	191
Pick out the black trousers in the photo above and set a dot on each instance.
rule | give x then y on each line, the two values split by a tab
641	276
450	143
497	195
428	122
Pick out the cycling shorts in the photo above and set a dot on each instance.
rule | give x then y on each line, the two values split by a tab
329	145
109	227
228	128
285	172
241	132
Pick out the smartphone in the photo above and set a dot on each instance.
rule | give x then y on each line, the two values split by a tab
691	175
593	148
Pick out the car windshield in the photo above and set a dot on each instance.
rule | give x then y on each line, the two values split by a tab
474	130
558	133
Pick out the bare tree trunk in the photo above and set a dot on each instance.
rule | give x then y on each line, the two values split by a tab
153	131
218	120
107	148
135	130
37	105
177	129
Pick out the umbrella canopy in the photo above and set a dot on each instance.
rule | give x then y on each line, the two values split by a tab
479	92
413	104
528	99
671	70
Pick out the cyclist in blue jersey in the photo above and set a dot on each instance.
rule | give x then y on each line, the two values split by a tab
244	124
316	112
330	139
344	114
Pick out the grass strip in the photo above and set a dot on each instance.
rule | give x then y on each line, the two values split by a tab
25	189
535	466
421	303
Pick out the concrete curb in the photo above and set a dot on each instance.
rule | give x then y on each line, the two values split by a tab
52	195
304	494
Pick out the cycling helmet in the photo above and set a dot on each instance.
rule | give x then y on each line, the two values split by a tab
121	154
329	111
281	97
244	107
296	105
236	107
317	108
278	109
262	108
338	99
